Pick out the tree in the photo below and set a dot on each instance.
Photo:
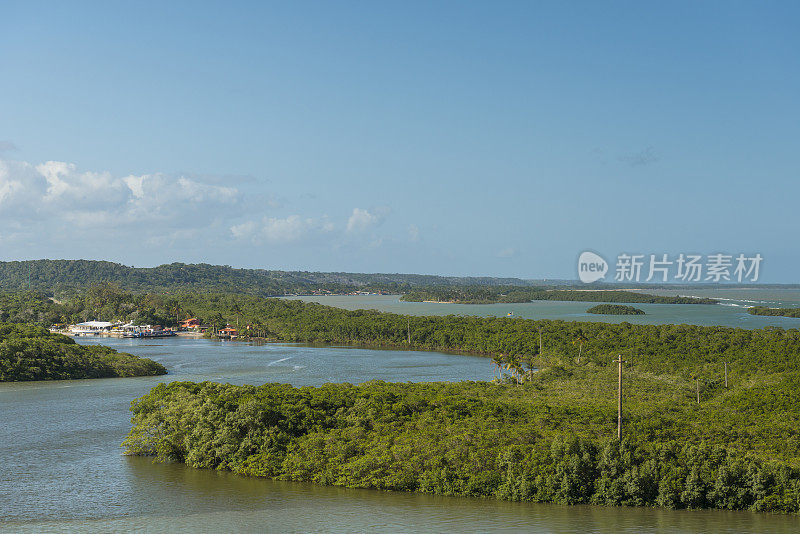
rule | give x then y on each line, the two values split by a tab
580	338
176	309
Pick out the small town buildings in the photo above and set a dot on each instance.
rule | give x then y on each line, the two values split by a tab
228	331
90	328
190	324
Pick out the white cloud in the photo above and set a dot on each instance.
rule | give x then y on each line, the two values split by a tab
361	220
246	229
277	230
10	185
292	228
60	198
55	208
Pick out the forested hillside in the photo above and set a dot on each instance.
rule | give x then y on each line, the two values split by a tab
55	276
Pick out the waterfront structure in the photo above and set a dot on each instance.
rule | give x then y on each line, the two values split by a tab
91	328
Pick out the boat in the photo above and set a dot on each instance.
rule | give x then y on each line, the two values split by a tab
138	334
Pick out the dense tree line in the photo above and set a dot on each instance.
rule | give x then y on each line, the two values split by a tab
29	352
615	309
477	439
664	348
68	277
65	276
102	301
778	312
29	307
676	363
515	294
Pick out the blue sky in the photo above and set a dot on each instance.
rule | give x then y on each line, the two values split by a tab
497	138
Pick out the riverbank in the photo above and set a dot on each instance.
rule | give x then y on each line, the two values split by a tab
524	443
111	334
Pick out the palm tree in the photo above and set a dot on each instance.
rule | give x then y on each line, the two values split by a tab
498	362
514	365
238	311
176	309
580	338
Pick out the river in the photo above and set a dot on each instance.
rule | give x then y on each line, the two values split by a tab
732	310
63	469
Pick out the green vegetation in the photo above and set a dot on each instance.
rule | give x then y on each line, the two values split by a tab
615	309
29	307
68	276
32	353
510	294
535	442
295	321
533	435
102	301
781	312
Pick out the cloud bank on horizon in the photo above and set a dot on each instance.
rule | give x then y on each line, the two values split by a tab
48	205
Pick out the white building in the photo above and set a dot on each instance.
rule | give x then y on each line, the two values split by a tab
90	328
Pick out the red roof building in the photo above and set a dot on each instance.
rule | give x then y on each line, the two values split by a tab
190	323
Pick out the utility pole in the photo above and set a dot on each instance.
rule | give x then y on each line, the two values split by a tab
619	398
698	390
409	330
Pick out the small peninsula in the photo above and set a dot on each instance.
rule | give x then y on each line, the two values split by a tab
30	352
775	312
